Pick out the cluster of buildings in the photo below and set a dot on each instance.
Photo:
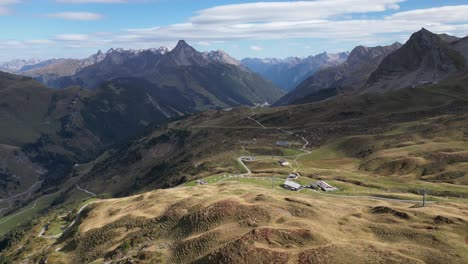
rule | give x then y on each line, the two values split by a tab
320	185
323	186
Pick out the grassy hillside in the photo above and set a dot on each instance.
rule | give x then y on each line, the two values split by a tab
405	141
45	131
235	222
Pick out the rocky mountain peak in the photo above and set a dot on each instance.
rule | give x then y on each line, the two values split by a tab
425	38
183	47
220	56
185	55
365	54
99	56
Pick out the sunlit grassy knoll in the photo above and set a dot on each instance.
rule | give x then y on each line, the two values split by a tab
234	217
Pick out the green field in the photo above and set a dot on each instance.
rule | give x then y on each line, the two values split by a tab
26	214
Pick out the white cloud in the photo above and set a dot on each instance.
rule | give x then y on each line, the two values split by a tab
39	41
335	21
290	11
305	19
445	14
4	10
9	2
91	1
204	43
72	37
256	48
82	16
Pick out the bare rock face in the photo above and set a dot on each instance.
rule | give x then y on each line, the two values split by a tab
425	58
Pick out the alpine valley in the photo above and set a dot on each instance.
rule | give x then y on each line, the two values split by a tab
181	156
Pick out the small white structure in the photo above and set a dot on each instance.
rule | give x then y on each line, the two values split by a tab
293	176
293	186
324	186
248	158
284	163
200	182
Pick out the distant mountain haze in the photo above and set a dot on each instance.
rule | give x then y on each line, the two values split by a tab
16	65
351	74
288	73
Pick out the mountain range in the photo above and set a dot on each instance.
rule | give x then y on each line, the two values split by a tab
425	58
351	74
212	78
14	66
385	127
288	73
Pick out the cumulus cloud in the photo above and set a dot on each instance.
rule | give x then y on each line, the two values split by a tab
82	16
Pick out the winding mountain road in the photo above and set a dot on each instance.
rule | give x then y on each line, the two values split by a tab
78	214
86	191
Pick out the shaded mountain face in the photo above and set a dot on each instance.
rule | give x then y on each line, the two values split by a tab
46	131
208	80
288	73
425	58
350	75
57	128
461	45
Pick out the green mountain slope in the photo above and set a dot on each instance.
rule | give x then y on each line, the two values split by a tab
359	128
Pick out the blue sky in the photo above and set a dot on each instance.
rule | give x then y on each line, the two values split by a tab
243	28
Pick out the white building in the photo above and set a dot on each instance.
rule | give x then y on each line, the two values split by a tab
293	186
324	186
